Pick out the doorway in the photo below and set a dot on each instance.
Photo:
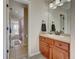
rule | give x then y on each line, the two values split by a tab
18	30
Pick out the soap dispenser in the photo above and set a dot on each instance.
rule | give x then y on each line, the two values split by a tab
53	27
43	27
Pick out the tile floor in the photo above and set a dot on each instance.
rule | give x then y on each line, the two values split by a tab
20	52
39	56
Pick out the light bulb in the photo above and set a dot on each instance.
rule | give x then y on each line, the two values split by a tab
51	5
54	7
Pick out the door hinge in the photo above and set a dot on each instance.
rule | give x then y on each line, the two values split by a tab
10	31
7	51
7	28
7	5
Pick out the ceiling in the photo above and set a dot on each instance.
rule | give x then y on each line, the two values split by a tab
22	1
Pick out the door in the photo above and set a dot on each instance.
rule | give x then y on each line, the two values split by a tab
15	36
14	32
59	53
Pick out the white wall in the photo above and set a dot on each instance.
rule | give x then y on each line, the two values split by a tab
37	13
72	48
4	30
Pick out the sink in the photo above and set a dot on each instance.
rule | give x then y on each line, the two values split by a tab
56	35
61	35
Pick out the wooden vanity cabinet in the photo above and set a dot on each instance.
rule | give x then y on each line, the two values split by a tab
44	48
61	50
59	53
44	45
53	49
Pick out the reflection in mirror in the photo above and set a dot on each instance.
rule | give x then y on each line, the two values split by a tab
62	23
61	18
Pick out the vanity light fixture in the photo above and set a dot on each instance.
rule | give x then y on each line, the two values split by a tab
54	7
57	2
53	4
68	0
60	4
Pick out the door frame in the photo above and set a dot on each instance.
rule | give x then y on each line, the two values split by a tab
6	29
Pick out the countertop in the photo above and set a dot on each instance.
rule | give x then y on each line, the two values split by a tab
62	38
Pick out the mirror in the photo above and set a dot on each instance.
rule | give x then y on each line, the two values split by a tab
62	23
60	18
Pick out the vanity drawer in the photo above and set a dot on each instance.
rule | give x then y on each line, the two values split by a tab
43	44
50	42
46	40
43	39
62	45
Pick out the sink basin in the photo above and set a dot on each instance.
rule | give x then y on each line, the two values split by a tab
61	35
55	35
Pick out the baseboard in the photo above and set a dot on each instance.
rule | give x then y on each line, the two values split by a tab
33	54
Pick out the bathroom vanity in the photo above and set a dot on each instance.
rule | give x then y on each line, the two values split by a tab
54	46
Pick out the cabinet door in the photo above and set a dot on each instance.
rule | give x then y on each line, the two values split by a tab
44	49
59	53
